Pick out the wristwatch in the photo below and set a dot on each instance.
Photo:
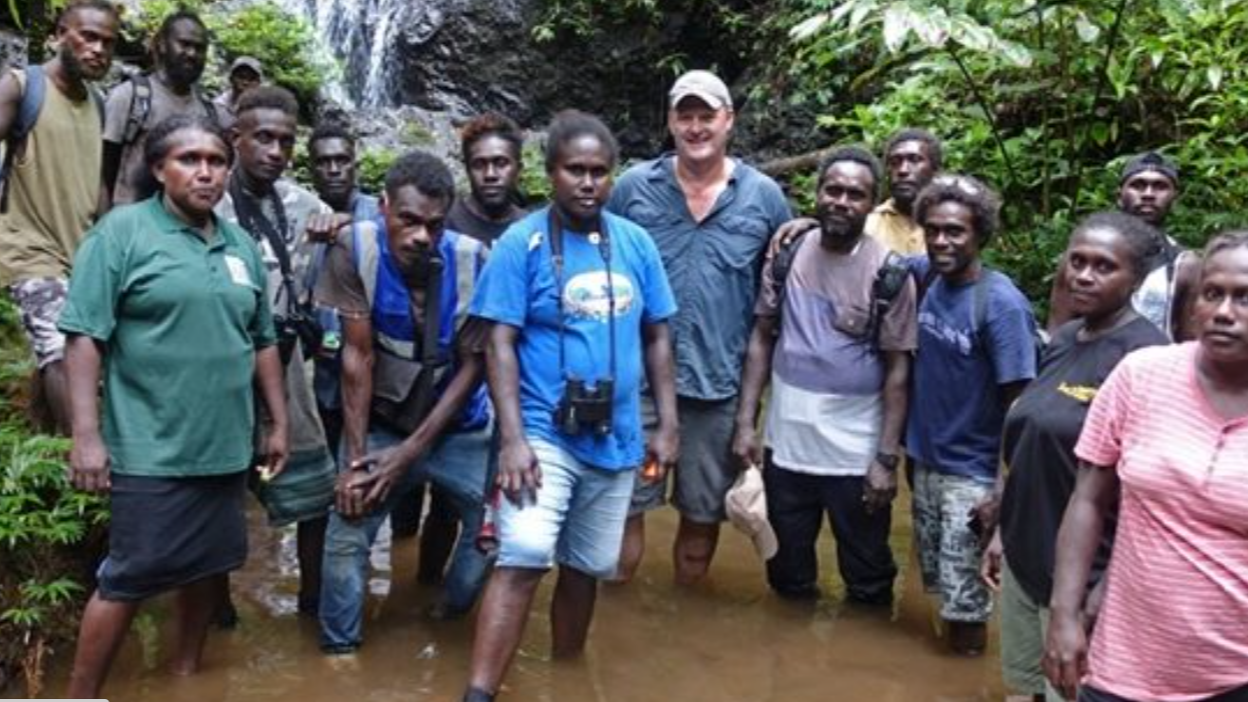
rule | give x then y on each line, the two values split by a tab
888	460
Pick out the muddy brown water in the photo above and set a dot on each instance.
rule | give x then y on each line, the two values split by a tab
726	641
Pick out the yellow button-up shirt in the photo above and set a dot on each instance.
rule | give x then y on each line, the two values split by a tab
895	230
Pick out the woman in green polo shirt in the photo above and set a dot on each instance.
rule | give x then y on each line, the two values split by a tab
174	299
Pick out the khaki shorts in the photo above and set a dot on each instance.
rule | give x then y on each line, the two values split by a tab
704	470
1024	625
40	301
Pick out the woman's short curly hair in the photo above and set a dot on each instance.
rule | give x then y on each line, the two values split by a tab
981	200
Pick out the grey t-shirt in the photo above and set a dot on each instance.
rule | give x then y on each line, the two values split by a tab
164	104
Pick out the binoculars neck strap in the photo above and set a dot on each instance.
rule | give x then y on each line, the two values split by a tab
556	256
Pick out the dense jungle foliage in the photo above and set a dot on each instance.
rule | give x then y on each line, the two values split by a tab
1041	98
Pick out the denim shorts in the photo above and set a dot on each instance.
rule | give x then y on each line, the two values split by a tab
576	519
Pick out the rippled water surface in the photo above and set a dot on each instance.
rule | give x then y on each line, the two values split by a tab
726	641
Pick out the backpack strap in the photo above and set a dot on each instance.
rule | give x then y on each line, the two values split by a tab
209	108
140	107
781	267
889	281
28	110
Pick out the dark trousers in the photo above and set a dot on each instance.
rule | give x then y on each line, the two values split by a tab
796	503
1091	694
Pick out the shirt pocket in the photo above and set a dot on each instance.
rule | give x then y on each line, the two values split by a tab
852	320
738	242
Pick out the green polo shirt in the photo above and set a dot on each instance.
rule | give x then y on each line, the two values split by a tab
180	320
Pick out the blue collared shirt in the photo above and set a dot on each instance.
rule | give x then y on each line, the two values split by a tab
713	265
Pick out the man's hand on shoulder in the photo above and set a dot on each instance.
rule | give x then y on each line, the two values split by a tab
789	231
324	227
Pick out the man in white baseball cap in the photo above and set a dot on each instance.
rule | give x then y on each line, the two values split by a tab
710	216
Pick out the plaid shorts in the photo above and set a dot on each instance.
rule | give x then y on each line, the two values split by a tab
40	301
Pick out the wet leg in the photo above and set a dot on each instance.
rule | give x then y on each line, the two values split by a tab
56	395
571	611
104	626
633	548
500	625
693	550
437	536
310	544
195	609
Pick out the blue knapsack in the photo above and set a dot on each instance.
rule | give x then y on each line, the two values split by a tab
27	115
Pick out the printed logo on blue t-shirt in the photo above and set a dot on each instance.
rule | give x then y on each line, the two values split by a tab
960	339
586	297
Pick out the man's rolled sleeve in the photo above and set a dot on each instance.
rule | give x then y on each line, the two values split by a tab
339	285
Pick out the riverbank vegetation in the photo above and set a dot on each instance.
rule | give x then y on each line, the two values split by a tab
1041	98
50	534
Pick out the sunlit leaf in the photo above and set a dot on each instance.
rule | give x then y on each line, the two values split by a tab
862	8
809	27
972	35
932	26
1015	53
1214	74
1086	30
896	26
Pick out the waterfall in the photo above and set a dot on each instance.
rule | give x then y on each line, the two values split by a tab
358	35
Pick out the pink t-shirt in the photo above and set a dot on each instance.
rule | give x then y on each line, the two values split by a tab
1174	625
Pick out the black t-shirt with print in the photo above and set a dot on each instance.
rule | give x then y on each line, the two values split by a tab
1041	430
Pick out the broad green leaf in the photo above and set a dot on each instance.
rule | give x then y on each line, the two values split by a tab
897	25
1087	31
972	35
1157	57
809	27
1214	74
862	8
931	26
1015	53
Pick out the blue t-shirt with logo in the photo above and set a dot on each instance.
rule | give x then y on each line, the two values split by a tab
518	288
956	413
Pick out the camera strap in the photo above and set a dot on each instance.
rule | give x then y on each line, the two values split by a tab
556	257
252	219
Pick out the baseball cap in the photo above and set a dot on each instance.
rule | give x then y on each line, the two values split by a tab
746	504
247	62
705	86
1150	161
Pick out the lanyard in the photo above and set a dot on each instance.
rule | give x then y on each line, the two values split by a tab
556	258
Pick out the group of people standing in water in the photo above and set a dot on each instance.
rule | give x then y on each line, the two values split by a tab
552	374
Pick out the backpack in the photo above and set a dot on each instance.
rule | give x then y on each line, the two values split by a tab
24	123
889	281
141	107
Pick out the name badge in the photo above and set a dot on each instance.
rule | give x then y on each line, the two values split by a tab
238	271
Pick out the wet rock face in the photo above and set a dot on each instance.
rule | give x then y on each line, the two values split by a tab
467	56
463	57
